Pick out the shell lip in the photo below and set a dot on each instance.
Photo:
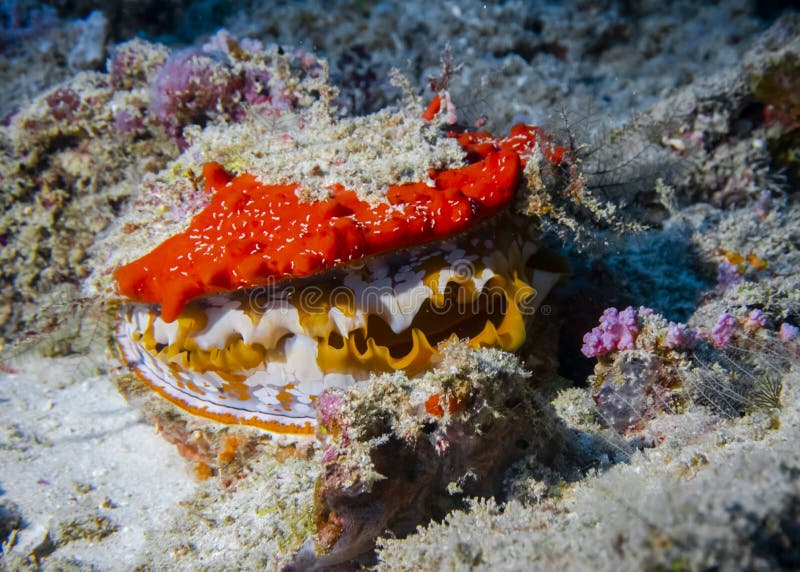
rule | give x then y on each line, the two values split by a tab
140	363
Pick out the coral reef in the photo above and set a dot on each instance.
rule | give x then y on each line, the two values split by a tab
689	405
691	521
648	365
218	108
57	155
225	80
524	59
397	452
667	443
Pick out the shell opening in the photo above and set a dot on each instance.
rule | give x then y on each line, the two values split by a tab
262	357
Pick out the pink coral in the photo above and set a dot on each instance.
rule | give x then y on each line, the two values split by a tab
755	320
788	332
617	331
223	41
679	336
222	80
723	330
329	406
129	122
63	102
189	88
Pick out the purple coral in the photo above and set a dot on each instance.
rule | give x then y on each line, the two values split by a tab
221	81
134	63
755	320
120	65
223	41
617	331
788	332
727	275
63	102
679	336
190	88
255	79
763	204
128	122
723	330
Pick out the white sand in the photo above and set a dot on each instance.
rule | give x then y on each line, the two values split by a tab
72	449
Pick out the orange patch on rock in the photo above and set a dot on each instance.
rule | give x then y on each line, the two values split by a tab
228	453
437	403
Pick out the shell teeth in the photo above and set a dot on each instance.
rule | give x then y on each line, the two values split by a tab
264	362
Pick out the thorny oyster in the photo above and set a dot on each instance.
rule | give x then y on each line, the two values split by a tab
275	293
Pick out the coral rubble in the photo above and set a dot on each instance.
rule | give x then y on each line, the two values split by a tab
397	452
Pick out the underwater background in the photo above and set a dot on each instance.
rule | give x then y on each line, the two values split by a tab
650	419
